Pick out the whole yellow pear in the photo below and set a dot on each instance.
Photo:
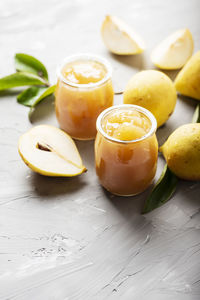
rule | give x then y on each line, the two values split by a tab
154	91
187	81
182	151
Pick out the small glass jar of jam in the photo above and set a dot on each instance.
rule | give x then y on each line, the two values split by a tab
126	149
84	89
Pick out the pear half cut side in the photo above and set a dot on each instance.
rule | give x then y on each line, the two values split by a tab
120	38
174	51
50	151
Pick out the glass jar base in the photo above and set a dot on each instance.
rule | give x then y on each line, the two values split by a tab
82	139
122	195
131	195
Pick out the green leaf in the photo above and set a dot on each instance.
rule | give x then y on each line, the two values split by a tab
28	63
30	95
196	116
33	95
20	79
162	192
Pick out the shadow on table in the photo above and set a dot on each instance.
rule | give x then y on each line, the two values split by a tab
163	132
190	102
55	186
189	193
43	110
10	92
166	129
134	61
86	150
128	206
170	73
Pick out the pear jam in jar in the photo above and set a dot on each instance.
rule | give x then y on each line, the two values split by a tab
84	89
126	149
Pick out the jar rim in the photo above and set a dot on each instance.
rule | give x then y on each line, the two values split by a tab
87	57
138	108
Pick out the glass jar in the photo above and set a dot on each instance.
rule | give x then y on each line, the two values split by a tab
126	167
79	104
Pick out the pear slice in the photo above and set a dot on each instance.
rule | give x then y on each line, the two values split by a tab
174	51
49	151
119	38
187	81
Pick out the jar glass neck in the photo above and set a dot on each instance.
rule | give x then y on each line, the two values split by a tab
128	107
85	57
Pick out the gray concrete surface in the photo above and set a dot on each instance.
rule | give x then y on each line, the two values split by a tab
67	238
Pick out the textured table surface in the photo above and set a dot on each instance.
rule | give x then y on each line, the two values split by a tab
67	238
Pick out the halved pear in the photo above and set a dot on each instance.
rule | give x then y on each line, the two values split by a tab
50	151
120	38
174	51
187	81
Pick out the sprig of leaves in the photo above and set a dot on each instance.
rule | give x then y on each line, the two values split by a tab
20	79
167	183
162	191
30	72
34	95
28	63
